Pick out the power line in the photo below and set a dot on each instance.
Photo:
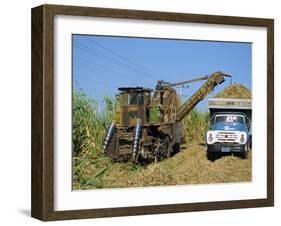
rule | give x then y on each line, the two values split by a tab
144	69
96	66
109	59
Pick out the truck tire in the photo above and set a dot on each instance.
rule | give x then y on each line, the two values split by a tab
244	154
212	156
176	148
168	147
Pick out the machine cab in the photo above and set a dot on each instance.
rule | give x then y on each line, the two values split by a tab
133	102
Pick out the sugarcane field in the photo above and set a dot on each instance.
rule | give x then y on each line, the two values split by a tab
190	165
142	118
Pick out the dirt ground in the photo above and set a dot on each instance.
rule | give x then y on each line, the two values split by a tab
189	166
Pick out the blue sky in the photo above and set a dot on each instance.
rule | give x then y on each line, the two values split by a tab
101	64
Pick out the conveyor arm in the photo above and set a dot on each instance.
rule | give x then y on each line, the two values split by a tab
213	80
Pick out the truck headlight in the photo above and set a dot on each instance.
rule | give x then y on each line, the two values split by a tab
210	138
242	138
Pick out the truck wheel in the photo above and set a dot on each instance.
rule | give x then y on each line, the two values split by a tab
211	156
249	147
244	155
169	152
166	148
176	148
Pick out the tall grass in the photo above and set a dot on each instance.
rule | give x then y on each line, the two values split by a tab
90	168
196	124
88	130
89	124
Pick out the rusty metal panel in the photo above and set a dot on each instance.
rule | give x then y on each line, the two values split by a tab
130	114
213	80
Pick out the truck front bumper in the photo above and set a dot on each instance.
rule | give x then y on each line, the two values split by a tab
226	147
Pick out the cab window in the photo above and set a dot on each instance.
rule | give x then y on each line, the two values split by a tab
136	99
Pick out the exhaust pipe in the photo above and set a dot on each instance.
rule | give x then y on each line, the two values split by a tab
136	139
108	136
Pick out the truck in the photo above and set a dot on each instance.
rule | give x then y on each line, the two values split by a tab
148	123
230	127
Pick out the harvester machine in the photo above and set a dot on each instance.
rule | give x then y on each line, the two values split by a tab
148	123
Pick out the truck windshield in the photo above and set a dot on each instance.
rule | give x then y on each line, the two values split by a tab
230	118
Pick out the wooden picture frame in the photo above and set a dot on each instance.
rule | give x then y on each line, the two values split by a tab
42	203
